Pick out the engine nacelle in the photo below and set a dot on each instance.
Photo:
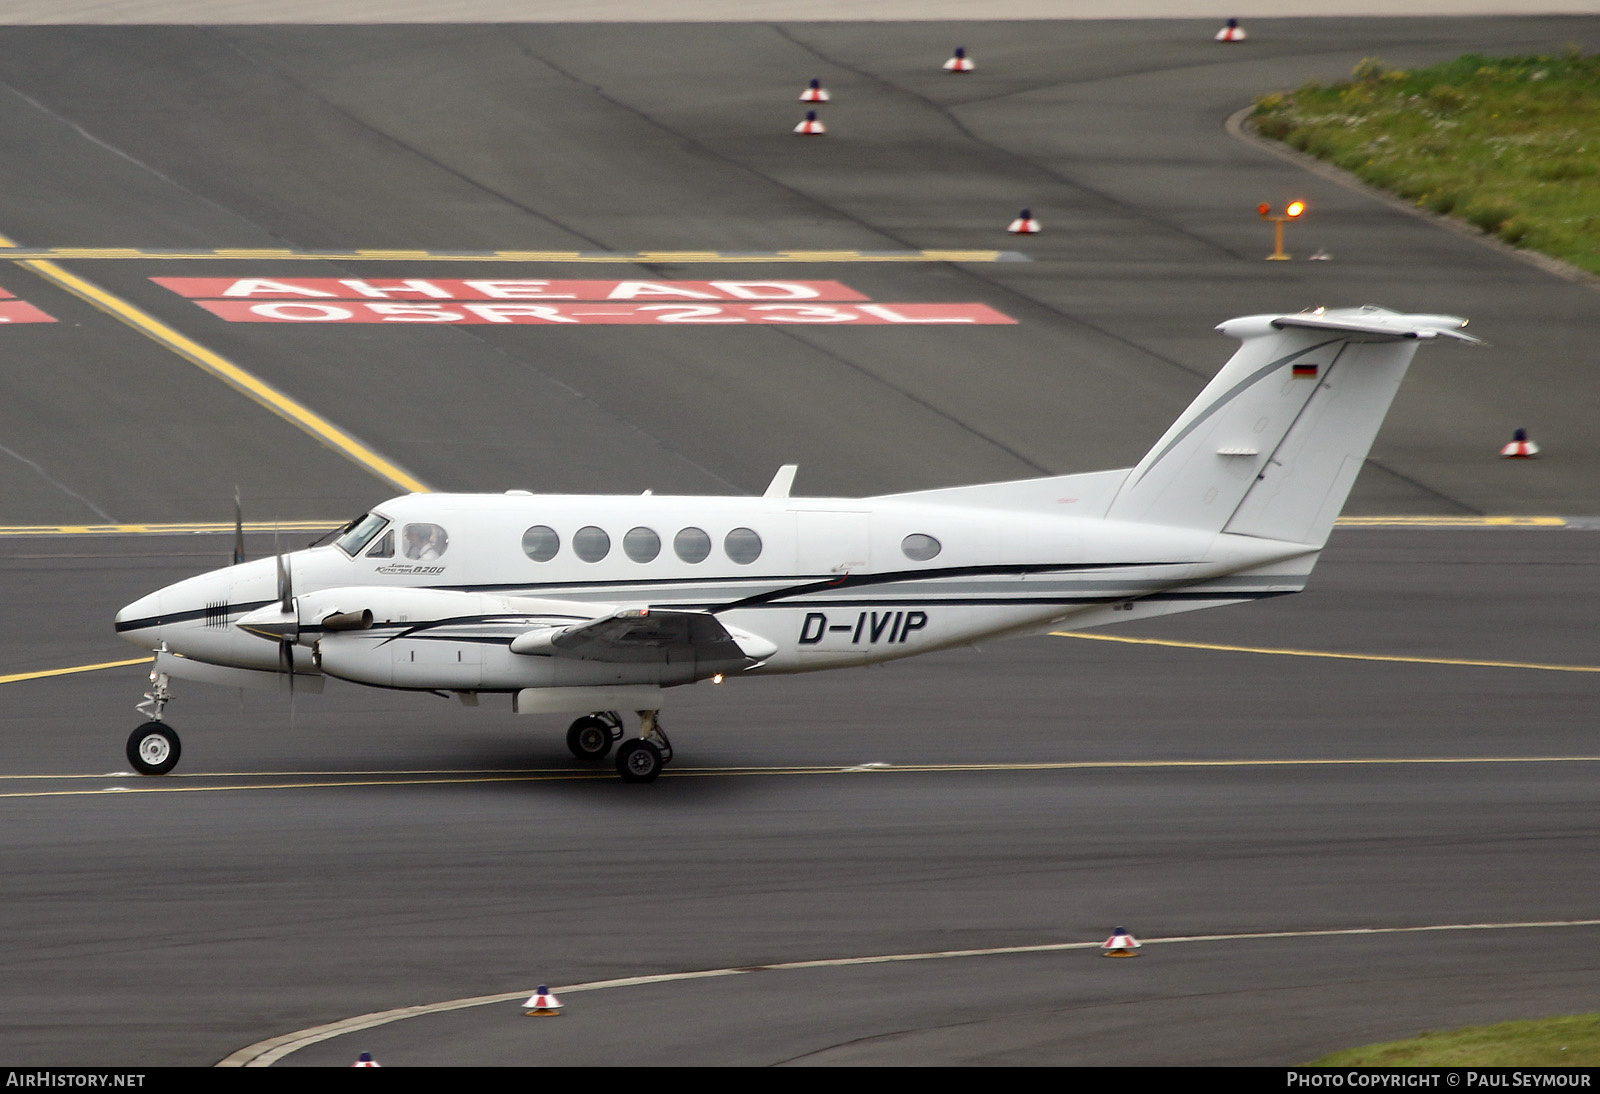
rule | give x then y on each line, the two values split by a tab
442	662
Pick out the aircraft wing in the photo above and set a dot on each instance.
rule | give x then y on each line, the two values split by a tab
646	636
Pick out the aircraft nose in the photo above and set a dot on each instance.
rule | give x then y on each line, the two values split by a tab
140	621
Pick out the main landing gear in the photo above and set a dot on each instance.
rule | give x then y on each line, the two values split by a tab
154	748
590	738
639	759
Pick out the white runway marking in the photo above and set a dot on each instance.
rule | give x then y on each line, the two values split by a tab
266	1053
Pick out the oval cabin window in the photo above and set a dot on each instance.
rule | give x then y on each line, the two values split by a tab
692	545
591	544
641	544
541	543
918	547
742	545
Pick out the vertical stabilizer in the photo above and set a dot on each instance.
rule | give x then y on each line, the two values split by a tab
1273	444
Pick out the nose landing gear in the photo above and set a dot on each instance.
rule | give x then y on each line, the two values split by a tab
154	748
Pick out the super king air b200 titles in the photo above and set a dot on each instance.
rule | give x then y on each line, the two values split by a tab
595	605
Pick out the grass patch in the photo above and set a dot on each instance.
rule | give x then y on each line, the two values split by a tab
1549	1042
1509	144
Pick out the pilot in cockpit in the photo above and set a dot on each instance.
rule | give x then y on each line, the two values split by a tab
424	542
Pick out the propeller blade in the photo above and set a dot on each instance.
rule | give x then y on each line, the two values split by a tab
286	664
285	579
238	528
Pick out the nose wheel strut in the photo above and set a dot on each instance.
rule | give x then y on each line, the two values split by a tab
154	748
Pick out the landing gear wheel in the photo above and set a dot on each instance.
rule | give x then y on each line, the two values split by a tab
154	749
639	761
590	738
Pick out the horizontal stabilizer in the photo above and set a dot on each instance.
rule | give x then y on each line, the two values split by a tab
1380	323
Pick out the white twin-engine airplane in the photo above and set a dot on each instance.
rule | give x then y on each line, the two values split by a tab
594	605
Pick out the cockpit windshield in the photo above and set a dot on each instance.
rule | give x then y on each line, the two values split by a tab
362	529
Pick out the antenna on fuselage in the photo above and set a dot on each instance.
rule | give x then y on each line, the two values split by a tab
782	482
238	527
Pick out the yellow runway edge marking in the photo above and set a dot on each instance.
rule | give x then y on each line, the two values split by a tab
1462	661
268	1052
225	370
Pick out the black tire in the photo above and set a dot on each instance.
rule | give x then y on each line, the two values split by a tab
639	761
154	749
589	738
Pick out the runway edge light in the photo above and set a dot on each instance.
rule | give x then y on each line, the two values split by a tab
814	92
1024	225
811	127
1233	32
1520	447
960	62
366	1060
1120	944
542	1003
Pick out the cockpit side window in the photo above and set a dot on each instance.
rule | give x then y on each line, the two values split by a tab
424	542
361	531
384	547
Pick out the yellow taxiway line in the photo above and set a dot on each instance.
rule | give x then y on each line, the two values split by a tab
19	676
624	257
266	1053
223	369
1329	654
176	529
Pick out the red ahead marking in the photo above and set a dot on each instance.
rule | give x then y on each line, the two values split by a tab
527	314
20	311
500	289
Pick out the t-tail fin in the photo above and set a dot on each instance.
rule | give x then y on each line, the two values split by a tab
1273	444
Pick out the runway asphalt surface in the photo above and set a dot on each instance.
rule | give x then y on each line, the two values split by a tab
178	927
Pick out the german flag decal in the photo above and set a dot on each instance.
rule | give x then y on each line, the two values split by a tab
1305	372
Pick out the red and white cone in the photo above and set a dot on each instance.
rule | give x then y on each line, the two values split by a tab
1024	225
811	127
542	1004
960	62
1120	944
1520	447
1233	32
366	1060
814	92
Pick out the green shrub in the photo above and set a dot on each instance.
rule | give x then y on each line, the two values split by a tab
1440	201
1489	213
1369	70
